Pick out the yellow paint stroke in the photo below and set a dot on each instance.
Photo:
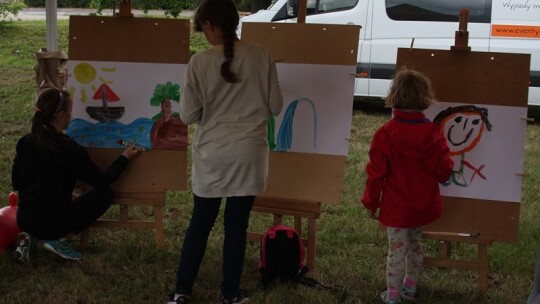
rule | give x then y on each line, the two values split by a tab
103	80
83	95
108	70
71	91
84	73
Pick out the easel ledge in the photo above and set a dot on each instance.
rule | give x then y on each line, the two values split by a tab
443	259
125	200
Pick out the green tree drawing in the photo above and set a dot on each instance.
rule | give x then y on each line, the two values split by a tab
162	92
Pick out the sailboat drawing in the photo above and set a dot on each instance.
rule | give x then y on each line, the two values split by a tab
105	112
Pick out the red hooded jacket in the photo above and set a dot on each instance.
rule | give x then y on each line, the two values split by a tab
408	159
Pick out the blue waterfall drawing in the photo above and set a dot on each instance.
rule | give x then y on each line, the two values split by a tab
285	133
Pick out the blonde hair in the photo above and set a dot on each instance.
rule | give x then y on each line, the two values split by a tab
410	90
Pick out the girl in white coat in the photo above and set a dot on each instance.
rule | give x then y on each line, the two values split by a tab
231	90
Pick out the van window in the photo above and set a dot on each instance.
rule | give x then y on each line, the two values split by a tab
315	7
272	4
325	6
438	10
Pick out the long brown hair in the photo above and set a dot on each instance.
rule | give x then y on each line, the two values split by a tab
49	103
224	15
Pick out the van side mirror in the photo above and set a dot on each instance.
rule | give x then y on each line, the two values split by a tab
292	8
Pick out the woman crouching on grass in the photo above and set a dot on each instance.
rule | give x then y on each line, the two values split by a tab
46	166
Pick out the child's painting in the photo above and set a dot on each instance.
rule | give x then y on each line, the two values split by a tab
134	102
487	145
317	109
138	103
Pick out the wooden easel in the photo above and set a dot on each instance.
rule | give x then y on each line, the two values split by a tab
127	200
298	183
444	260
298	209
154	172
445	240
479	222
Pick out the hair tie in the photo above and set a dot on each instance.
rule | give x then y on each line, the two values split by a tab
38	110
60	105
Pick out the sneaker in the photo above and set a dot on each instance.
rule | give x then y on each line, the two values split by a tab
24	243
241	298
384	298
408	294
63	249
182	299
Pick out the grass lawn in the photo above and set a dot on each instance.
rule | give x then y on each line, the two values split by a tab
124	266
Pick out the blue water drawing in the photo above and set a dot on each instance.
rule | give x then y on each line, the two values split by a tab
105	134
285	132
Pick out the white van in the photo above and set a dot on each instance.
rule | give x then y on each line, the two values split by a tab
493	25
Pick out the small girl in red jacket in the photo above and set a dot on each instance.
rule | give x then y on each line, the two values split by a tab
408	158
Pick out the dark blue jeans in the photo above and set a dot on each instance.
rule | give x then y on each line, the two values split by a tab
204	214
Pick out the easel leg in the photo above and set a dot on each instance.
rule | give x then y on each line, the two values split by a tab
83	238
298	224
312	243
445	249
124	213
482	268
278	218
159	231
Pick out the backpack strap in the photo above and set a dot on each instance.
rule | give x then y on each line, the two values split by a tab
339	290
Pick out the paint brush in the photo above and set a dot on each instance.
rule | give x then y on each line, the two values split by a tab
127	144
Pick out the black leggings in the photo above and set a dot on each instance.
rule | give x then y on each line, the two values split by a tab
83	211
90	206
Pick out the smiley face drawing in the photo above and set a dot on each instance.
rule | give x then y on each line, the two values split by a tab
463	127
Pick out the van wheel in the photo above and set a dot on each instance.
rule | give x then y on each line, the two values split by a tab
370	104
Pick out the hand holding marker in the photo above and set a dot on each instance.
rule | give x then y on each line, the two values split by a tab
127	144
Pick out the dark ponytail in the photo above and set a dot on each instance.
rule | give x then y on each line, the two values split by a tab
228	50
222	14
48	104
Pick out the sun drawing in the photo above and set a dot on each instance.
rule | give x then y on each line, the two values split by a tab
85	74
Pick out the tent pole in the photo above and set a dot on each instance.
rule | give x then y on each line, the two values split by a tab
51	20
